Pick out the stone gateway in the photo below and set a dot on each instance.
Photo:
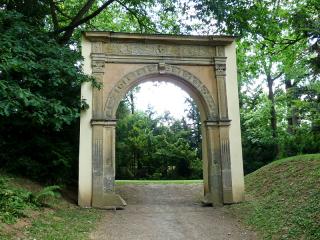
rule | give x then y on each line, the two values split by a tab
204	66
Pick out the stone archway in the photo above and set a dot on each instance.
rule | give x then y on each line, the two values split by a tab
204	66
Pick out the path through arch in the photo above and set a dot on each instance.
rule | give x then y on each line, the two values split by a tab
158	212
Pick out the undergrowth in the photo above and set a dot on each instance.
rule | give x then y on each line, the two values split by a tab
15	201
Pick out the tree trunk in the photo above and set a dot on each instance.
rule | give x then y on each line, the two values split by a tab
292	117
273	116
132	106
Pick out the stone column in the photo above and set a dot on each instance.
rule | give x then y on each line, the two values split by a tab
213	171
103	190
103	141
223	125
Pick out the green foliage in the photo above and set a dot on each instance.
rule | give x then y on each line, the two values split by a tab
39	101
36	73
14	201
284	199
276	52
62	220
40	77
150	147
42	196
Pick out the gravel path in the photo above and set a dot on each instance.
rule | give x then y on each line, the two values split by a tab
168	212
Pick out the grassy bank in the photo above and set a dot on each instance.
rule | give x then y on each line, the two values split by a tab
283	199
23	216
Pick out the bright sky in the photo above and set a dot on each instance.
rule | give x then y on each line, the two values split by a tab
162	96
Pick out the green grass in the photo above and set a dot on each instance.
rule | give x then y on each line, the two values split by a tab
143	182
61	220
283	199
67	223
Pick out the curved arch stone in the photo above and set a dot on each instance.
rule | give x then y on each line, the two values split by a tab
120	89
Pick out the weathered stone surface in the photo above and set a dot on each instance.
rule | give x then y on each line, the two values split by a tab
201	66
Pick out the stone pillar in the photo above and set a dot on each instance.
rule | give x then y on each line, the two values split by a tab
223	125
213	171
103	141
103	156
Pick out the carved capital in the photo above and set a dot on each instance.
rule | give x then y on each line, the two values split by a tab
220	66
98	66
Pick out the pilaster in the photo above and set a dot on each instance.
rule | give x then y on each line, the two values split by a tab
223	125
103	195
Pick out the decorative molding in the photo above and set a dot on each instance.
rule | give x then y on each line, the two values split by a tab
103	122
106	37
123	85
194	61
218	123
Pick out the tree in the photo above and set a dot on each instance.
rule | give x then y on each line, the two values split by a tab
40	78
39	84
278	46
156	147
193	122
64	18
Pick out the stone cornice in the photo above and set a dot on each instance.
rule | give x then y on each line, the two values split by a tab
118	37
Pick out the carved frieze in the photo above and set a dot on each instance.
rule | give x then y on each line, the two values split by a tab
220	51
97	47
123	85
138	49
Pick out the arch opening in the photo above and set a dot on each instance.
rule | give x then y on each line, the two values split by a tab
159	146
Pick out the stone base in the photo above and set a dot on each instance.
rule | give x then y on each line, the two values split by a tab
209	200
109	201
206	201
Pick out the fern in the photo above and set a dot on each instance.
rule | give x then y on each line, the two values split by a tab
42	196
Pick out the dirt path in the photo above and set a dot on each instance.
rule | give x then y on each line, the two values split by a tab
168	212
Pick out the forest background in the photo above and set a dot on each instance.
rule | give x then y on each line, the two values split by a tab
278	54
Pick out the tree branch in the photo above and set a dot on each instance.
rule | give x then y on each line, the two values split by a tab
133	13
54	15
68	30
137	17
276	77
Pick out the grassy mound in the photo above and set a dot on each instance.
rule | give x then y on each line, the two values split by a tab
31	211
283	199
